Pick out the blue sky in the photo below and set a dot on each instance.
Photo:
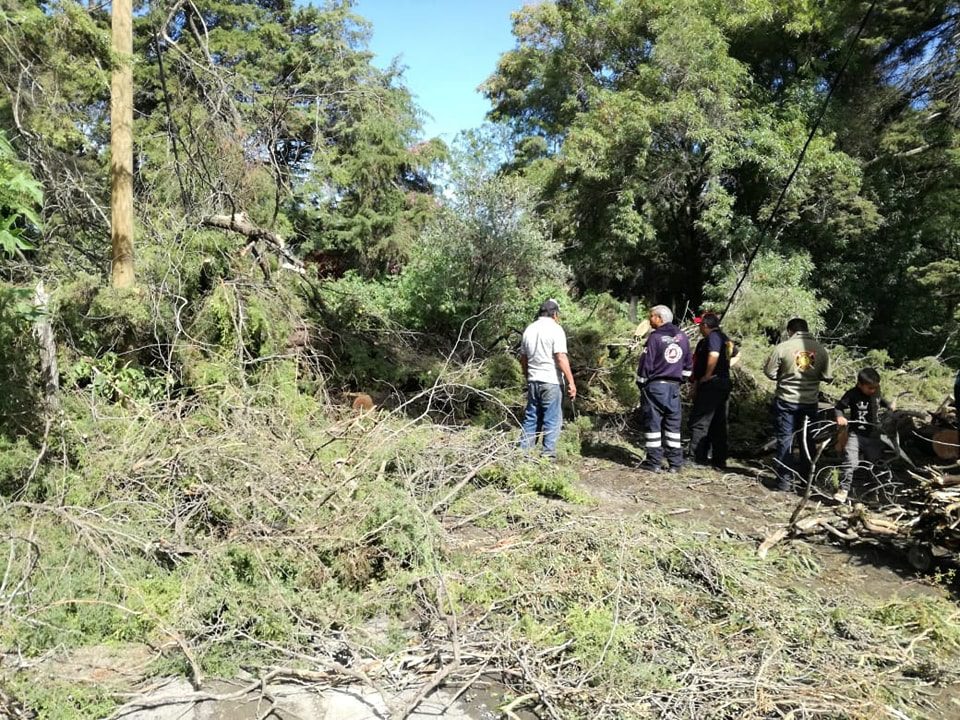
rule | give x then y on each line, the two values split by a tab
449	47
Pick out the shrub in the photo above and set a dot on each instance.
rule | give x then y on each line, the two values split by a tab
503	371
777	289
479	261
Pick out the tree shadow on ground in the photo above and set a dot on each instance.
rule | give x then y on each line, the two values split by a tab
942	573
618	454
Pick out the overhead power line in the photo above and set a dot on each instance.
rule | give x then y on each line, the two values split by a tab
765	228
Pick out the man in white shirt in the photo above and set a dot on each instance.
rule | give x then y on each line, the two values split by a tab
543	357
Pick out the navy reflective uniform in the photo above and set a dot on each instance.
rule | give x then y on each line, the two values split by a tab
665	363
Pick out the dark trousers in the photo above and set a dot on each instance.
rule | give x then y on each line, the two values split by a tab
708	421
661	422
788	424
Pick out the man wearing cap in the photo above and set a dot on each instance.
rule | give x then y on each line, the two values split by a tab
711	394
543	357
664	364
798	365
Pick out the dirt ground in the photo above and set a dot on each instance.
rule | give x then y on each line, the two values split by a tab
736	504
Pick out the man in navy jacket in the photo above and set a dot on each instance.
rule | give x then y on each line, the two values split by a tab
665	363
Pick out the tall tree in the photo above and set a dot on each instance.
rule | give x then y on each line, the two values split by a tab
662	132
661	157
308	136
121	146
260	107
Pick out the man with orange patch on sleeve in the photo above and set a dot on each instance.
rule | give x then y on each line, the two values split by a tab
798	365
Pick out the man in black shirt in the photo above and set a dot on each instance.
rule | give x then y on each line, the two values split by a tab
711	394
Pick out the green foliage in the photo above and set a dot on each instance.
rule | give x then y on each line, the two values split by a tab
399	532
604	643
61	699
20	194
338	162
16	459
669	154
478	263
596	327
777	289
572	437
660	136
547	479
503	371
19	399
112	378
941	282
920	615
95	319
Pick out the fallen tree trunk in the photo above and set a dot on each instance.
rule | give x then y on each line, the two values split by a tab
240	223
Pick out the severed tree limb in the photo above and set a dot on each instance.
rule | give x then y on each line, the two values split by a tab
509	708
444	672
43	330
770	541
848	536
251	247
240	223
810	475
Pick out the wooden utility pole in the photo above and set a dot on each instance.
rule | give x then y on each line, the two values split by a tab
121	145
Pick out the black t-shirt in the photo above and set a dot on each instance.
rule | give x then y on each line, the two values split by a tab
716	342
863	409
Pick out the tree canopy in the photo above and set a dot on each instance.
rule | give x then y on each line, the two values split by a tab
661	134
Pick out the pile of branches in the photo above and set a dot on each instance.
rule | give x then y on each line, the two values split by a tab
240	535
925	517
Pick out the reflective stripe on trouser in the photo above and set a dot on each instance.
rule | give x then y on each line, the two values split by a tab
661	413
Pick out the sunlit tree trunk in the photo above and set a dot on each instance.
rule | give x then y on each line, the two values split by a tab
121	146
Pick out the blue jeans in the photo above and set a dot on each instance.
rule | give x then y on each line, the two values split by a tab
543	414
788	421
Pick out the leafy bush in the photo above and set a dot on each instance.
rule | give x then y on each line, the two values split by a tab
503	371
479	262
777	289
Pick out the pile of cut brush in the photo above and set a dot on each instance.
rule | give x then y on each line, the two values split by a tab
915	509
924	521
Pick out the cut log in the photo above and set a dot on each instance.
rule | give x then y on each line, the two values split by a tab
946	444
771	540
